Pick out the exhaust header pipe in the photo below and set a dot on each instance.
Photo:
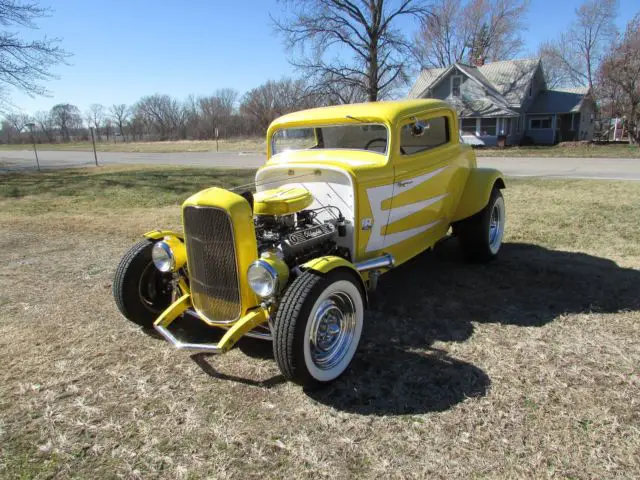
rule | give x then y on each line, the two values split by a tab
385	261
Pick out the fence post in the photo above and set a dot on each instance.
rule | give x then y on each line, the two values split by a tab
93	140
33	140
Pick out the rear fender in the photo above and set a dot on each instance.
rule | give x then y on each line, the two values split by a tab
477	191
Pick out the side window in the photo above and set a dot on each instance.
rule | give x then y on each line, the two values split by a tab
456	81
421	135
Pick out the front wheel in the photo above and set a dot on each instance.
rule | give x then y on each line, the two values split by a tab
141	291
317	327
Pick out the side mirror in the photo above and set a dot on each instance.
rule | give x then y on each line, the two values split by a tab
418	128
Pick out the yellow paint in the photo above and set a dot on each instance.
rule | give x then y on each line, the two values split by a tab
447	174
371	170
176	309
280	266
386	113
178	249
281	201
160	234
477	192
328	263
184	288
244	234
247	323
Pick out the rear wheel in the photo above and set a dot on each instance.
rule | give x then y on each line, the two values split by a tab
481	235
318	326
141	291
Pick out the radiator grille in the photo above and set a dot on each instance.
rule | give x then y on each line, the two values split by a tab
211	256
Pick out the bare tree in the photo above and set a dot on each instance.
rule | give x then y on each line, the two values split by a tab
275	98
66	117
25	64
164	114
467	32
357	43
17	120
95	116
120	114
107	128
46	124
215	109
574	57
619	78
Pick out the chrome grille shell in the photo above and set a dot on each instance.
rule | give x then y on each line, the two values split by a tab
212	263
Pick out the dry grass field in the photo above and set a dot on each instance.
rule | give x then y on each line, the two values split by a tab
527	367
258	145
240	144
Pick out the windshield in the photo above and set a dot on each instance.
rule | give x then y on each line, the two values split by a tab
371	137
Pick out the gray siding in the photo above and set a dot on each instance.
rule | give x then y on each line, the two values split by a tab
537	84
585	129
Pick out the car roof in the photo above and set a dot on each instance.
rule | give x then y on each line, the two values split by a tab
385	112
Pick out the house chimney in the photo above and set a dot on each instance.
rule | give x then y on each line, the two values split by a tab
479	61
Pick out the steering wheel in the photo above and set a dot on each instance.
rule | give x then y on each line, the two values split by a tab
366	147
383	140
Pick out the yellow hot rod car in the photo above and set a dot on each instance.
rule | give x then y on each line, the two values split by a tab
347	193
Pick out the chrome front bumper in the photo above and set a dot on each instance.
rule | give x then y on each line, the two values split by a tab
242	327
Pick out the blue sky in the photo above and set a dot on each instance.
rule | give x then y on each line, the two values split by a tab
123	50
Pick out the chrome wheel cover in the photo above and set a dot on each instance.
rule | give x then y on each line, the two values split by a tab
333	330
496	225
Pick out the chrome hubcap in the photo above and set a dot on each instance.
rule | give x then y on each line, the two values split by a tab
496	226
332	330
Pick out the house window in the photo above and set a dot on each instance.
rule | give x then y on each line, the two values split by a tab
540	123
519	125
488	126
456	81
436	133
468	126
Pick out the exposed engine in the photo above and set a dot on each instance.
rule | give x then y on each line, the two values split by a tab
298	234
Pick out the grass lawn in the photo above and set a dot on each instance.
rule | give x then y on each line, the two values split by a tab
527	367
248	144
257	145
579	151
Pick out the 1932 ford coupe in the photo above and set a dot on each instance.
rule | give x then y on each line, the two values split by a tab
347	193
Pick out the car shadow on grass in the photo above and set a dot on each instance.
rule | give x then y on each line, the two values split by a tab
437	297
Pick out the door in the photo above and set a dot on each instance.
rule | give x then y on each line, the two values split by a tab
427	174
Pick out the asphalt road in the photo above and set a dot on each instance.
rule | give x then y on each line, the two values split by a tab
593	168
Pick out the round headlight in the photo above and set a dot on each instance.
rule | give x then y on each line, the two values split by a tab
163	257
263	278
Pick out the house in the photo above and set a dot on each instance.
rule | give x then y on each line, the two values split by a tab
508	102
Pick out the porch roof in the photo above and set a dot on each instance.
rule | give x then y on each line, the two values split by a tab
559	101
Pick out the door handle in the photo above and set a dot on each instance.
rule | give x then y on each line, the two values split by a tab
402	184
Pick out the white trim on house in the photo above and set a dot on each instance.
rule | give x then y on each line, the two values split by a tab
451	79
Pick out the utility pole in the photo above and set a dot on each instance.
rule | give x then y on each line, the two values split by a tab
33	140
93	140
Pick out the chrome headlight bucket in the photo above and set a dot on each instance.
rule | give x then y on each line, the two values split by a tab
169	255
262	278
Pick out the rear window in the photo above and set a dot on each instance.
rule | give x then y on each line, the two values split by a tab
436	133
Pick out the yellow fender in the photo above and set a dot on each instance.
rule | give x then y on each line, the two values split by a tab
160	234
329	263
477	191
